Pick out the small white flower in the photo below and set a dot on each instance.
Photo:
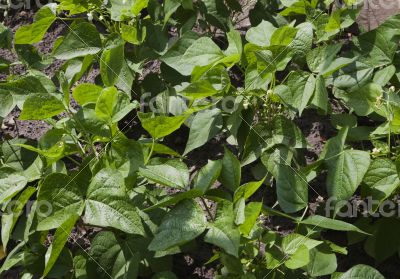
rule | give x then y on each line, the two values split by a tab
376	151
392	89
90	16
101	17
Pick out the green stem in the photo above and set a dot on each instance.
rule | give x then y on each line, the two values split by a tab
151	151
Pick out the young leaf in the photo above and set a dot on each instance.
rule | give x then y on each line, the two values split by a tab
41	106
33	33
161	126
182	224
86	93
111	63
321	263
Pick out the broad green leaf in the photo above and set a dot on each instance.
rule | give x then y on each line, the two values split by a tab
86	93
361	271
60	238
10	184
223	232
113	105
321	263
291	189
231	173
320	97
199	89
302	43
261	34
383	243
355	75
41	106
24	86
363	100
207	175
330	224
176	51
345	172
252	212
283	35
33	33
205	125
64	196
171	173
108	205
182	224
320	58
203	52
383	76
302	86
234	51
161	126
382	179
83	39
299	258
111	63
124	9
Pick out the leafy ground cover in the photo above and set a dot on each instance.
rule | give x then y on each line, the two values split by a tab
211	139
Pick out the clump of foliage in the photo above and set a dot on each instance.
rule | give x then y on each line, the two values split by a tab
88	171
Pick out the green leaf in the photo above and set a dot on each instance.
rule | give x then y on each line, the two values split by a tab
7	103
261	34
231	172
283	35
205	125
33	33
111	63
203	52
252	212
247	190
291	189
161	126
65	197
86	93
302	86
299	258
82	40
171	173
113	105
59	240
6	36
108	205
9	219
182	224
363	100
223	232
41	106
292	242
321	263
124	9
10	184
345	173
330	224
382	180
199	89
361	271
207	175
